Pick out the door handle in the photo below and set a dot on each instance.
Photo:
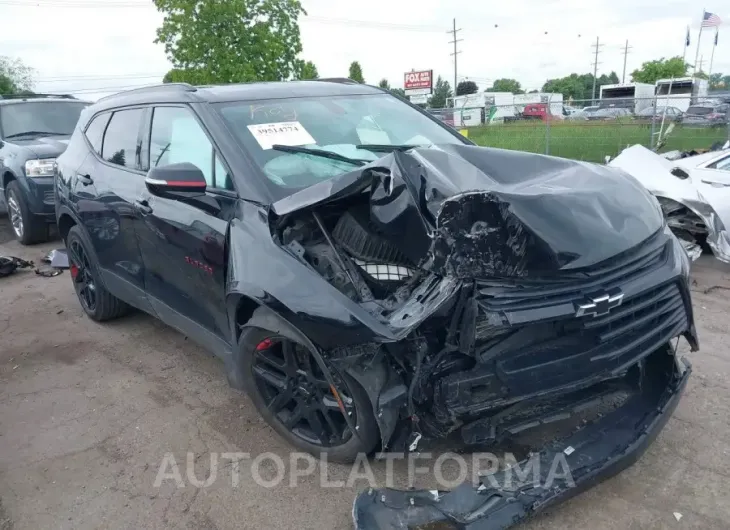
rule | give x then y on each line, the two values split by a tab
85	179
143	206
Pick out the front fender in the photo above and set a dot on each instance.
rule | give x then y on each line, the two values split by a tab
262	273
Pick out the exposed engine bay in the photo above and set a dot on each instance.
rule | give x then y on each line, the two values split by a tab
490	320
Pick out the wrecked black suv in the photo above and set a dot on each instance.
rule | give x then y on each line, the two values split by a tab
373	280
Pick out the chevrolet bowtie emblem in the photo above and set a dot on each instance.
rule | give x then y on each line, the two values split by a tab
599	305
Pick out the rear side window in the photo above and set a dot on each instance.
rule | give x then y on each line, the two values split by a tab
95	131
120	140
699	111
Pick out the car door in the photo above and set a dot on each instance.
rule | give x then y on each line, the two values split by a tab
111	180
182	240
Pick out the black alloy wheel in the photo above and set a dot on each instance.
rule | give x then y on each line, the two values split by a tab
295	391
98	303
83	279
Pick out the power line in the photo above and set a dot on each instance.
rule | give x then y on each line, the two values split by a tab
74	78
456	52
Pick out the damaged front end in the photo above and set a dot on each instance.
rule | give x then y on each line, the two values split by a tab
501	291
693	196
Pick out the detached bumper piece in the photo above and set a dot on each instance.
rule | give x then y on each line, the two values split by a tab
594	453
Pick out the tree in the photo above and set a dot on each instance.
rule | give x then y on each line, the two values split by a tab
662	68
701	75
230	41
441	91
398	92
15	77
307	70
578	87
356	72
383	83
466	87
719	81
506	85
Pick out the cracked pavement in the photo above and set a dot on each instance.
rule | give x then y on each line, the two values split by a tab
88	412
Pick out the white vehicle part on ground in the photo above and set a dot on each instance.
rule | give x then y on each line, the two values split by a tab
700	187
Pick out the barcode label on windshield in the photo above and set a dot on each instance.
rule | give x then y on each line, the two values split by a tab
283	133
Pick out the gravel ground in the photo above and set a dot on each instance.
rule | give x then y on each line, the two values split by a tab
88	413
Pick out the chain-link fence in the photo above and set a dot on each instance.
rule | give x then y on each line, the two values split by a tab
588	130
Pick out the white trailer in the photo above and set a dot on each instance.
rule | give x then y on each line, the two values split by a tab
681	92
482	107
633	96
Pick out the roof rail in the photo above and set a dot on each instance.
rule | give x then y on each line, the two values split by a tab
36	96
341	80
186	87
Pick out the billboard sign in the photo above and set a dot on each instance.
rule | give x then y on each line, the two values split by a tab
418	82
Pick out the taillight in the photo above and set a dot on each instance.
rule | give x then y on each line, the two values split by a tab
715	116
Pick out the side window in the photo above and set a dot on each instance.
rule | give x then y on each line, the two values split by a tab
723	165
120	140
95	131
176	136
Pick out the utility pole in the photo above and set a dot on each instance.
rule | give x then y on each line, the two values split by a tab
456	51
597	46
626	53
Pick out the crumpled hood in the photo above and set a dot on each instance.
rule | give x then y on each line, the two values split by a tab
46	146
476	212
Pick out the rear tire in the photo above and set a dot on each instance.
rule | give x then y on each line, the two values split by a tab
27	228
98	303
350	395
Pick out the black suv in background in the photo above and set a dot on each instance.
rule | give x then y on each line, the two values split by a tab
371	278
34	131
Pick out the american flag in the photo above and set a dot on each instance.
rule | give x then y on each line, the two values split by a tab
710	20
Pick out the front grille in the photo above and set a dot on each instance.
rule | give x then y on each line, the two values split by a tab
509	295
48	197
585	347
529	340
546	357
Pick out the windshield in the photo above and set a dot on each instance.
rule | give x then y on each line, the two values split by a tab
342	125
38	117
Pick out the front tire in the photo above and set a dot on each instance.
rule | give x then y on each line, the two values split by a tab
98	303
290	392
27	228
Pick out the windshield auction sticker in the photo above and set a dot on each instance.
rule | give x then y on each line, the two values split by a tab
284	133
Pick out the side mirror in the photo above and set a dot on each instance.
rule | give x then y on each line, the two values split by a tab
182	177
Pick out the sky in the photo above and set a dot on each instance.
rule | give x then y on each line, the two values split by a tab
96	47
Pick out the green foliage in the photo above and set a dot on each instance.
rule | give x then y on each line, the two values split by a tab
228	41
15	77
577	86
589	141
466	87
356	72
307	70
651	71
720	81
441	91
398	92
506	85
701	75
383	83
